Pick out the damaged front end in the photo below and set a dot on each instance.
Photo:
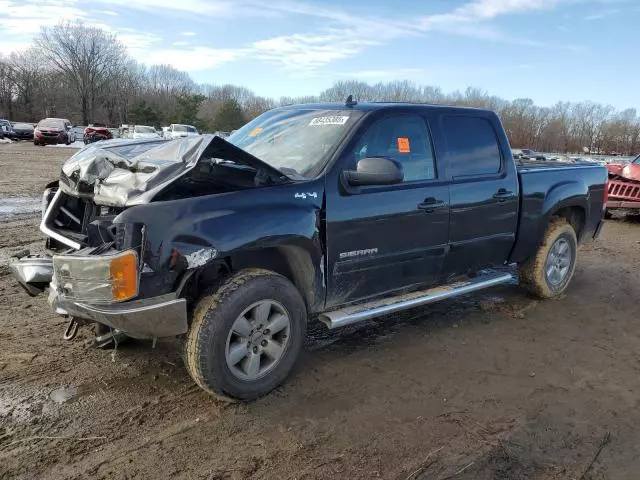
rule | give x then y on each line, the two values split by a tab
99	269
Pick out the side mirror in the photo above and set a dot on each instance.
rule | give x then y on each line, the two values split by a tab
375	171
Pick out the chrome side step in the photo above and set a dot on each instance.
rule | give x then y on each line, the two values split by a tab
365	311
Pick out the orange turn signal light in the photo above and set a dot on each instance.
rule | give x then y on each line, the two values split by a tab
124	276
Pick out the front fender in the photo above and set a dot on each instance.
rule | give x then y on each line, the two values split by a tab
189	233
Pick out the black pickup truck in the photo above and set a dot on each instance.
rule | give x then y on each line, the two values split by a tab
330	212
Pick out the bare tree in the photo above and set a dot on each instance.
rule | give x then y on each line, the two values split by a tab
87	56
7	88
27	74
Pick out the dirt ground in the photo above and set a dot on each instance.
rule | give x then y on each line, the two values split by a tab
492	386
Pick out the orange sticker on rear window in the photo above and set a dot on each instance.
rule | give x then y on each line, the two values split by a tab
403	145
255	132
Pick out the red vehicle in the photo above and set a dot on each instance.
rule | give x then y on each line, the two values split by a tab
96	132
624	187
53	131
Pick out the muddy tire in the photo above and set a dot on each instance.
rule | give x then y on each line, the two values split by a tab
608	215
549	272
246	335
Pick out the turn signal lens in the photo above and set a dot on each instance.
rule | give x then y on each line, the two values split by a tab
124	276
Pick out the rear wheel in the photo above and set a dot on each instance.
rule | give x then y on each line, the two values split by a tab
246	336
549	272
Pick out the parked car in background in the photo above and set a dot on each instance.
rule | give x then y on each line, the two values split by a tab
144	131
177	130
78	131
53	131
96	132
115	132
528	154
22	131
624	187
5	128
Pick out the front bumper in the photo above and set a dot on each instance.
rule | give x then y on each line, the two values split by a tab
51	140
611	204
163	316
33	273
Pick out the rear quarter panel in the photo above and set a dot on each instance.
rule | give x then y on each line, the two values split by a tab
545	191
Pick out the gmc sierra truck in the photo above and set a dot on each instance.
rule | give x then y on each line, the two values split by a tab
335	213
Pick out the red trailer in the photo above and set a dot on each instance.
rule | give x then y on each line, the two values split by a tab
624	187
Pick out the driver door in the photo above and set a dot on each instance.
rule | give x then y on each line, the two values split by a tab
385	238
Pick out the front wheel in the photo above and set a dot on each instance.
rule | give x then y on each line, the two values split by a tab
549	272
246	336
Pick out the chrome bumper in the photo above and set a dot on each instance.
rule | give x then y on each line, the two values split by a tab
163	316
33	274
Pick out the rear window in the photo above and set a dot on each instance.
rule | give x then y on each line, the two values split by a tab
143	129
471	146
179	128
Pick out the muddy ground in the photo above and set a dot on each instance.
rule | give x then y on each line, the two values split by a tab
493	386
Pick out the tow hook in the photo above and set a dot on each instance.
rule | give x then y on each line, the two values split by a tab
71	331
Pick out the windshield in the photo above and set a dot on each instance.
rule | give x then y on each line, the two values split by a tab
179	128
143	129
23	126
51	123
297	139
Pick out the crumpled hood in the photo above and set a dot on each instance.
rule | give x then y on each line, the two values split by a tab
130	172
629	171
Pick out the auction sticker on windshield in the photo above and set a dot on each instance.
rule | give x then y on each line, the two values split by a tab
332	120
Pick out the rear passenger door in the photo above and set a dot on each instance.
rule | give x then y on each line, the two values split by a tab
483	192
385	238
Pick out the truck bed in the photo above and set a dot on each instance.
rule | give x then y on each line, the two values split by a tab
534	165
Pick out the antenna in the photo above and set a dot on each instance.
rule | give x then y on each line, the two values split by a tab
350	102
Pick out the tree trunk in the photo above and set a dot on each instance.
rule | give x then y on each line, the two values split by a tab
85	110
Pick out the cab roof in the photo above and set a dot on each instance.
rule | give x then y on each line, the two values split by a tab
373	106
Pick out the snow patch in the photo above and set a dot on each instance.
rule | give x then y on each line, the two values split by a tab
76	144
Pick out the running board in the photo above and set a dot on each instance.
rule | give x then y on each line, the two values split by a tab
365	311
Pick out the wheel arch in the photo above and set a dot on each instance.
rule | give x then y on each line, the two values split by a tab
292	262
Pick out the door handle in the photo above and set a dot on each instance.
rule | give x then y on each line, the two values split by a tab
503	195
431	204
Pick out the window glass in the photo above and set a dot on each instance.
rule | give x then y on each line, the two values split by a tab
471	146
298	139
403	138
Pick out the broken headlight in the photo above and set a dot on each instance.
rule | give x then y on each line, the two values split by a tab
96	279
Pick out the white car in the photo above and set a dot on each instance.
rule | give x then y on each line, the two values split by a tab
177	130
143	131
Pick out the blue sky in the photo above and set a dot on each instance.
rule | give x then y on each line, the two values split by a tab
547	50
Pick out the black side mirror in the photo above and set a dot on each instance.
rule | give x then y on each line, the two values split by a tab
375	171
